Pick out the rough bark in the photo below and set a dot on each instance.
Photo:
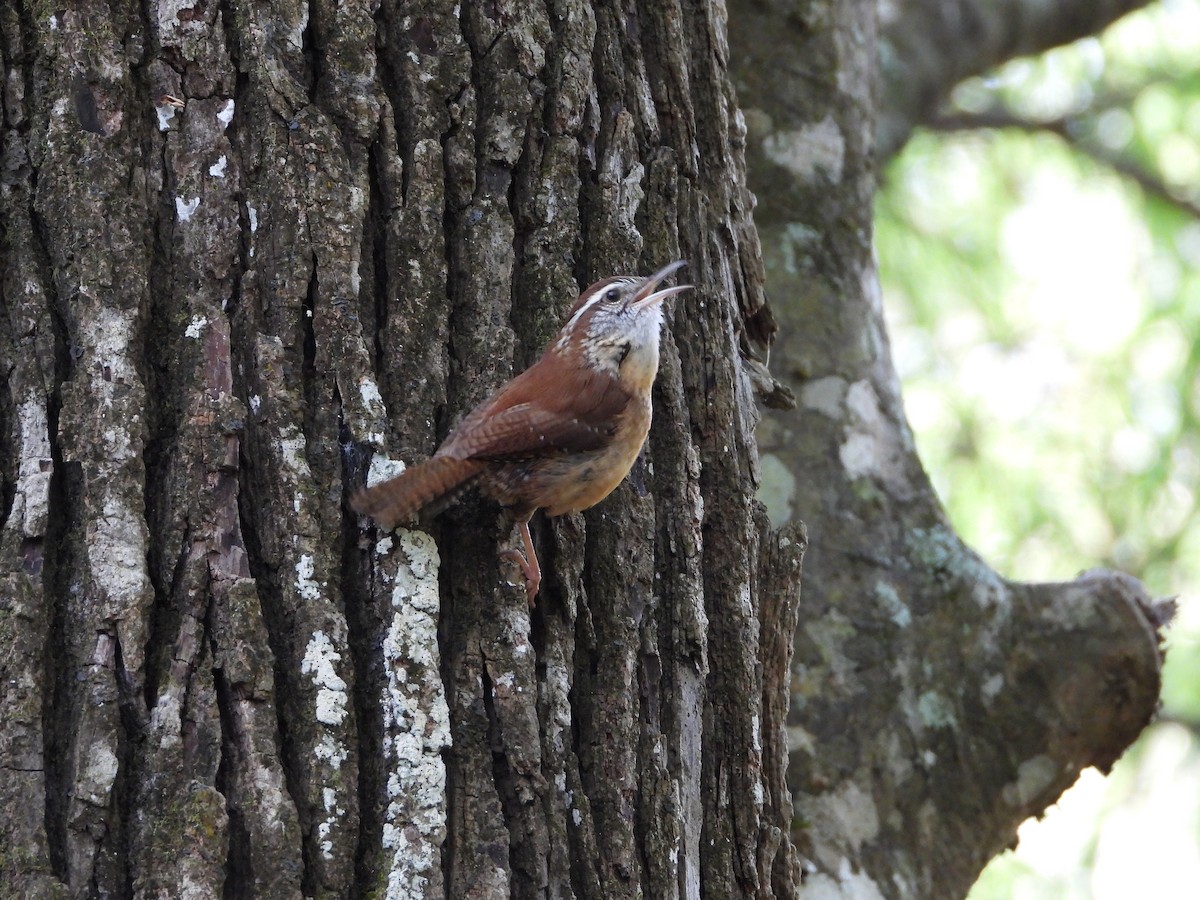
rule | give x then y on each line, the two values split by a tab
935	705
251	250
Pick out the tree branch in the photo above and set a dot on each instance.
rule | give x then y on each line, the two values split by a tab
929	46
1069	128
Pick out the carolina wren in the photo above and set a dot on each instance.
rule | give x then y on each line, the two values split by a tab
562	434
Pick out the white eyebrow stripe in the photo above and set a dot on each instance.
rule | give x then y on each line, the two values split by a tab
587	304
592	301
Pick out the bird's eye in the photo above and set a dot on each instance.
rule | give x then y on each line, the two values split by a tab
612	294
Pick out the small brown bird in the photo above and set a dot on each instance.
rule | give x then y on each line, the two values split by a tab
562	434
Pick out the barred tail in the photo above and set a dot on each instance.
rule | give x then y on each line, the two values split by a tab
400	498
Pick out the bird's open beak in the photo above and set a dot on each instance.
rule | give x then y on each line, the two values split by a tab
647	296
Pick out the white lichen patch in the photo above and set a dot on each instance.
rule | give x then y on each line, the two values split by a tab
799	738
318	664
331	752
845	885
293	449
99	775
936	711
825	395
118	441
872	447
814	149
1077	605
851	813
217	169
831	632
169	24
165	112
1033	777
504	683
417	579
299	24
777	489
325	829
184	209
382	468
374	410
116	536
32	500
195	327
371	398
416	718
166	721
889	600
116	549
225	115
358	202
991	687
107	335
271	795
306	586
252	215
255	403
872	291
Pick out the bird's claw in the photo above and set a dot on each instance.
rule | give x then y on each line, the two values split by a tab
532	572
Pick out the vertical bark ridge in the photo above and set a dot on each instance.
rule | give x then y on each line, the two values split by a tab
31	475
98	251
274	239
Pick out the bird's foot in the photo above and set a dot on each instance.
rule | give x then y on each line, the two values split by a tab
531	570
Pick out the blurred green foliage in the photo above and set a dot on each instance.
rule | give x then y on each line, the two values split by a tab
1040	258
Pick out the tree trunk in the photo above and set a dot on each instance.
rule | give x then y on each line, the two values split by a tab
935	705
252	250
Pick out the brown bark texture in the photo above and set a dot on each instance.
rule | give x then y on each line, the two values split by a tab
252	250
935	705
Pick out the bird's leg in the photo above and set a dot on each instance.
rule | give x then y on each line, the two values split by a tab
528	560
